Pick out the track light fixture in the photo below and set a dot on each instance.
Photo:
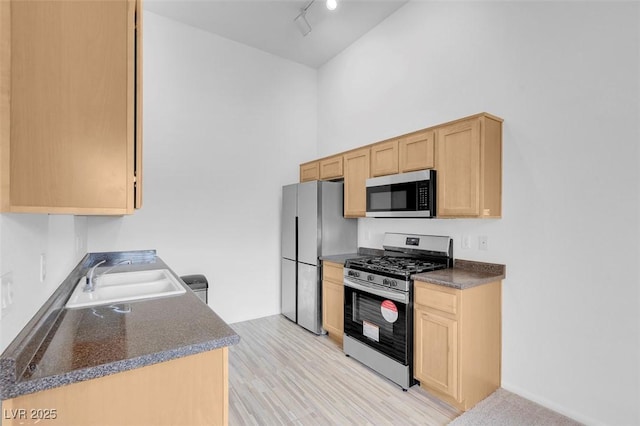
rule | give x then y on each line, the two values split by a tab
301	19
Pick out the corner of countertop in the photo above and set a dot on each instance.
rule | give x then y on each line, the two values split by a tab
497	269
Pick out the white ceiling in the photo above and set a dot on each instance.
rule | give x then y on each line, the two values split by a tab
269	25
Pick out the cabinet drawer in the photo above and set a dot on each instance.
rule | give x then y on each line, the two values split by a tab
332	272
442	300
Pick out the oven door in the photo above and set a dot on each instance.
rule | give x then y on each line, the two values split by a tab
378	317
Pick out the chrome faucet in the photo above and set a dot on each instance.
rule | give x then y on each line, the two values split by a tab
91	278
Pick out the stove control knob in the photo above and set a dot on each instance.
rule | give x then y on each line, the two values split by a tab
370	278
354	274
394	283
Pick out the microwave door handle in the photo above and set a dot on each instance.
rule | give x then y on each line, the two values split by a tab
388	294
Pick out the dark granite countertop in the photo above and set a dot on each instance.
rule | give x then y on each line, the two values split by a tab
339	258
61	346
342	258
464	274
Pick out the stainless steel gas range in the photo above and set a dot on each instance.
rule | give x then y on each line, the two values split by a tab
378	302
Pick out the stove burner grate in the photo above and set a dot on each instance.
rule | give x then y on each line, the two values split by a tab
397	264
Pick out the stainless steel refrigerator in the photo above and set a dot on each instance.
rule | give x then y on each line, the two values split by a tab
312	226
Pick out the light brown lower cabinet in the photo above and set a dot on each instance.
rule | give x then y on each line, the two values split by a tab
457	341
333	300
192	390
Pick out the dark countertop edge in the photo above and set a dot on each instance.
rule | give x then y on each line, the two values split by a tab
476	273
18	355
490	268
50	382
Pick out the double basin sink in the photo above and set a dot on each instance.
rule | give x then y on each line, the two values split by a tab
126	287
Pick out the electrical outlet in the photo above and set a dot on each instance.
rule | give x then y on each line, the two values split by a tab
43	267
466	241
483	242
6	292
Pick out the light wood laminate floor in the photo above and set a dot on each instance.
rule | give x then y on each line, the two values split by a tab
281	374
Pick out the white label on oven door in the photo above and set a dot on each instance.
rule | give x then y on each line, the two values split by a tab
389	311
371	330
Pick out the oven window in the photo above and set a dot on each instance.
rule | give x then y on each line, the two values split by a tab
396	197
368	309
379	323
389	200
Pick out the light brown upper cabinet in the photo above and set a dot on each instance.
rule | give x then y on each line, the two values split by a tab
71	136
384	158
356	173
408	153
417	151
331	168
310	171
469	166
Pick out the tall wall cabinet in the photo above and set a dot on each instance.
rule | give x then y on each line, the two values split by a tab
70	129
469	166
356	172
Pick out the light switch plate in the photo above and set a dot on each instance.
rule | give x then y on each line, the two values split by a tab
466	241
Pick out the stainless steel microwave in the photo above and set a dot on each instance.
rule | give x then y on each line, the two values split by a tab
403	195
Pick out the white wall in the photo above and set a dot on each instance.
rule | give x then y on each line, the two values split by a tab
564	76
23	238
224	127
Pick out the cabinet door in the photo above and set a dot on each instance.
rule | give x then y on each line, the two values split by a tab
356	173
309	171
458	165
436	352
384	158
416	152
73	107
333	309
331	168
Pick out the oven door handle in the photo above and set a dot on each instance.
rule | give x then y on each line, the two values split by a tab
388	294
